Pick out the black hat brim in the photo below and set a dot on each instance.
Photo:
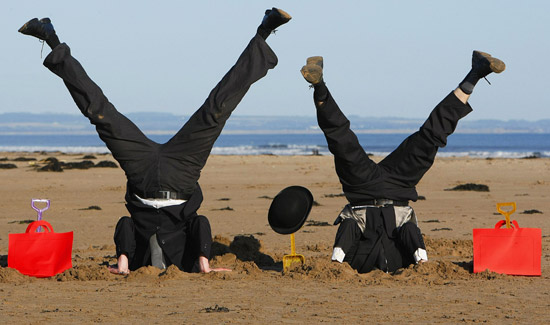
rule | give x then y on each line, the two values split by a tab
289	210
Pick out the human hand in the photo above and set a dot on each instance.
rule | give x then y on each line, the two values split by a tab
205	266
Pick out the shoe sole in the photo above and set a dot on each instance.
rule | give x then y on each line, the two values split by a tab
284	15
496	65
315	60
312	73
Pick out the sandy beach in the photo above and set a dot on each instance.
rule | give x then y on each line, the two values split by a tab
238	191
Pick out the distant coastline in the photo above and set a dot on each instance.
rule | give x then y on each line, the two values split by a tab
282	131
167	124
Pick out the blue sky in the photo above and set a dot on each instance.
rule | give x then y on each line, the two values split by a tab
382	58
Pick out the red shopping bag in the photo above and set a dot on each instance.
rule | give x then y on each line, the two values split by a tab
40	254
512	250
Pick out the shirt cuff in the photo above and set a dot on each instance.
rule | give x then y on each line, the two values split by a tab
338	254
420	255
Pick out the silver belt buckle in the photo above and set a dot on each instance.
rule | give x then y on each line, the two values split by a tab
165	195
383	202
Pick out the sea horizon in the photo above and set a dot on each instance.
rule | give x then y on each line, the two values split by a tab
461	144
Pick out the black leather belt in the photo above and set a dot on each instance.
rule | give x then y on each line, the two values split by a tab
383	202
167	195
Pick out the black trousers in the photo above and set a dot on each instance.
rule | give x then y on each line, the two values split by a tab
173	166
395	178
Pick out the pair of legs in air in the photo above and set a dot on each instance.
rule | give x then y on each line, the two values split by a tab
395	177
162	178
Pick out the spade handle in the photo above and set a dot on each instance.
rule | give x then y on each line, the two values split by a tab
292	245
507	213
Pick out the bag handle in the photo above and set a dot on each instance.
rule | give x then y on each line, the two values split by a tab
503	222
508	212
41	223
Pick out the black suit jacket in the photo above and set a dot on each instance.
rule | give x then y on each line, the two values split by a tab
169	223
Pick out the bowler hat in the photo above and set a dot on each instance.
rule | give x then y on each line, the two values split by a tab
289	209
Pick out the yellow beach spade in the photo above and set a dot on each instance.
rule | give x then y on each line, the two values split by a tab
287	214
288	260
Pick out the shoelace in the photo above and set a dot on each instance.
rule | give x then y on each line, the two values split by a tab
487	80
42	49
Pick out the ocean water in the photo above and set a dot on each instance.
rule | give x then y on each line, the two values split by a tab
505	145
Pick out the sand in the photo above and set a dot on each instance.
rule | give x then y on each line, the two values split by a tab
238	191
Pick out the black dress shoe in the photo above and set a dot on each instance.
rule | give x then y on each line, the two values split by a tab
274	18
41	29
483	63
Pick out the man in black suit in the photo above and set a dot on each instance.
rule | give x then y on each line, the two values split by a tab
378	228
162	195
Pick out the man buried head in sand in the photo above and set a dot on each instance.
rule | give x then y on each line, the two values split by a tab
162	195
378	228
